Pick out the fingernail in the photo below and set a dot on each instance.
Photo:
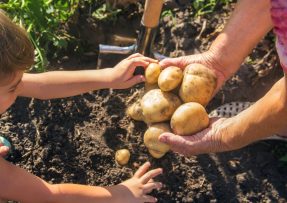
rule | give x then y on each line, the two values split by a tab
155	199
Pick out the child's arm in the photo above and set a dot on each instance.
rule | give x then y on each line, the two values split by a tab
19	185
59	84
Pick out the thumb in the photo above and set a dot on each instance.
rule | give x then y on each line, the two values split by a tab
168	62
170	139
179	62
177	143
135	80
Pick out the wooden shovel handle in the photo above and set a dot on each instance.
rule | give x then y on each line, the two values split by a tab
152	11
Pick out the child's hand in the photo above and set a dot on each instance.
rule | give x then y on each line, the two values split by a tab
140	185
122	74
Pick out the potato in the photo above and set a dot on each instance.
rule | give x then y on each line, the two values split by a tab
135	111
152	72
155	154
148	87
170	78
189	118
122	156
198	84
158	106
155	147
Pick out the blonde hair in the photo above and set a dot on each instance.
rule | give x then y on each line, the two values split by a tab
16	50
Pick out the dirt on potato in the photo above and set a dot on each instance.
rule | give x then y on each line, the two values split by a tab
75	139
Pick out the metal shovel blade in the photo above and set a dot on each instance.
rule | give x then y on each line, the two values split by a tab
144	44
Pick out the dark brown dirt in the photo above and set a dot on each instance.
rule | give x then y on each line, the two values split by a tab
75	139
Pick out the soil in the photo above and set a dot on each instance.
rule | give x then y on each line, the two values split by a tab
74	139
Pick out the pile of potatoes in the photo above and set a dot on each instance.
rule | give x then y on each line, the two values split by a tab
174	101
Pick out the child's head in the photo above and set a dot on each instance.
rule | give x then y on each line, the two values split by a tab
16	55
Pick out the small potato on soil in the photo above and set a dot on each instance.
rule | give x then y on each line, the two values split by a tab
170	78
189	118
158	106
152	72
156	148
122	156
198	84
135	111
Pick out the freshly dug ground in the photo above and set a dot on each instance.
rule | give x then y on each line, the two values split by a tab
74	140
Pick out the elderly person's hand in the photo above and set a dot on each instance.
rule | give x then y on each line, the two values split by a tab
208	59
264	118
248	24
246	27
215	138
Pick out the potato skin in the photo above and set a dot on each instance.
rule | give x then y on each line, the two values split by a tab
157	149
155	154
170	78
135	111
148	87
198	84
122	156
152	72
158	106
189	118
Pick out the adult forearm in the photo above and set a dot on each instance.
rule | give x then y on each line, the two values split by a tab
266	117
248	24
59	84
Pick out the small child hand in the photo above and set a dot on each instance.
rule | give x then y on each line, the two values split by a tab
122	74
140	185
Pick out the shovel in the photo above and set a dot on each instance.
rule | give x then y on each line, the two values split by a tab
146	36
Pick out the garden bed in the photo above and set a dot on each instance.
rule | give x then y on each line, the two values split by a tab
75	139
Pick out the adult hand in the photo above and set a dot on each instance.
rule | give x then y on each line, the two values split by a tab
207	59
215	138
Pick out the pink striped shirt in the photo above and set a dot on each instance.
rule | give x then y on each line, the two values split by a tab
279	18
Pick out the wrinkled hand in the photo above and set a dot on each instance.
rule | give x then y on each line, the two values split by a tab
207	59
140	185
215	138
122	74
